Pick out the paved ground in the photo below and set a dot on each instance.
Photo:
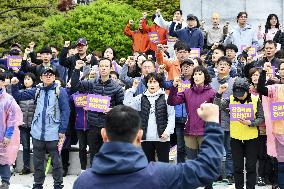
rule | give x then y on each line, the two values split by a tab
26	181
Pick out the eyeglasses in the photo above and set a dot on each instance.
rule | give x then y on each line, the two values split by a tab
48	75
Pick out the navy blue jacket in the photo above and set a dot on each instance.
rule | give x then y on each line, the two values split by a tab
97	86
122	165
193	37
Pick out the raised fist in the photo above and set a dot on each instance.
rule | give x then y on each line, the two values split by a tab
14	81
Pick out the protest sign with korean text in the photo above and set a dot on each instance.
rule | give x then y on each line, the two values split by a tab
251	51
98	103
80	100
194	53
277	111
14	61
241	111
183	85
154	37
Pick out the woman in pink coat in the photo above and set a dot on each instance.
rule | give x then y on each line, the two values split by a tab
10	118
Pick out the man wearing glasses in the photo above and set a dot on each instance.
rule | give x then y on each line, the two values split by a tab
49	124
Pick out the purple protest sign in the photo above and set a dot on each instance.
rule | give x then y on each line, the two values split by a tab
251	51
80	100
183	85
277	111
271	72
154	37
171	39
194	52
97	103
241	111
14	61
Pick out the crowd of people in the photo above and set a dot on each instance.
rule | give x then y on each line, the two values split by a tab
176	67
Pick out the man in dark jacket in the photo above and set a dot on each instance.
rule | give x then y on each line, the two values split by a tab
121	162
70	62
104	86
190	35
269	53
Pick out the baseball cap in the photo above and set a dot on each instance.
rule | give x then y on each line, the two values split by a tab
191	17
187	61
48	70
16	45
82	41
240	87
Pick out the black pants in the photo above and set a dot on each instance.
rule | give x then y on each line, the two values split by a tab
244	149
39	150
93	139
263	158
162	149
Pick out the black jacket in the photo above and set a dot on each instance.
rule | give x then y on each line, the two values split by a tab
70	62
109	88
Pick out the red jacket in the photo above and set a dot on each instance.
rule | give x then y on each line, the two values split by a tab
140	39
162	34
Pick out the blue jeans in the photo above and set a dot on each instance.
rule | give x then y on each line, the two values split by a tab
181	152
25	140
5	173
281	174
229	161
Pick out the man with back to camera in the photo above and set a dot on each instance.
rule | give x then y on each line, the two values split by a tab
121	163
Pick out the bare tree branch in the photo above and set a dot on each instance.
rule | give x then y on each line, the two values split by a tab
8	39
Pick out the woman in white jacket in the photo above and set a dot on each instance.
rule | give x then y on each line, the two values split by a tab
158	118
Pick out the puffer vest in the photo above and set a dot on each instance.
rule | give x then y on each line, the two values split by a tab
161	114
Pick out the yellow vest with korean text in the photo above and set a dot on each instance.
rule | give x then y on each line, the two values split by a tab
240	131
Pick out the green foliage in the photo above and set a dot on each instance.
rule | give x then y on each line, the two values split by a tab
101	23
24	24
150	6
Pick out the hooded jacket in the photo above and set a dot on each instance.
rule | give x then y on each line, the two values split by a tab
140	39
51	114
192	98
123	165
162	34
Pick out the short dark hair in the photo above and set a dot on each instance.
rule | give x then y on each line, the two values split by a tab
113	51
241	13
114	73
32	76
281	62
147	60
224	59
220	48
177	10
45	50
279	54
232	47
122	124
155	76
102	59
270	42
207	78
179	45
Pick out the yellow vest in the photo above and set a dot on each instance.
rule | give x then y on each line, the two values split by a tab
240	131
